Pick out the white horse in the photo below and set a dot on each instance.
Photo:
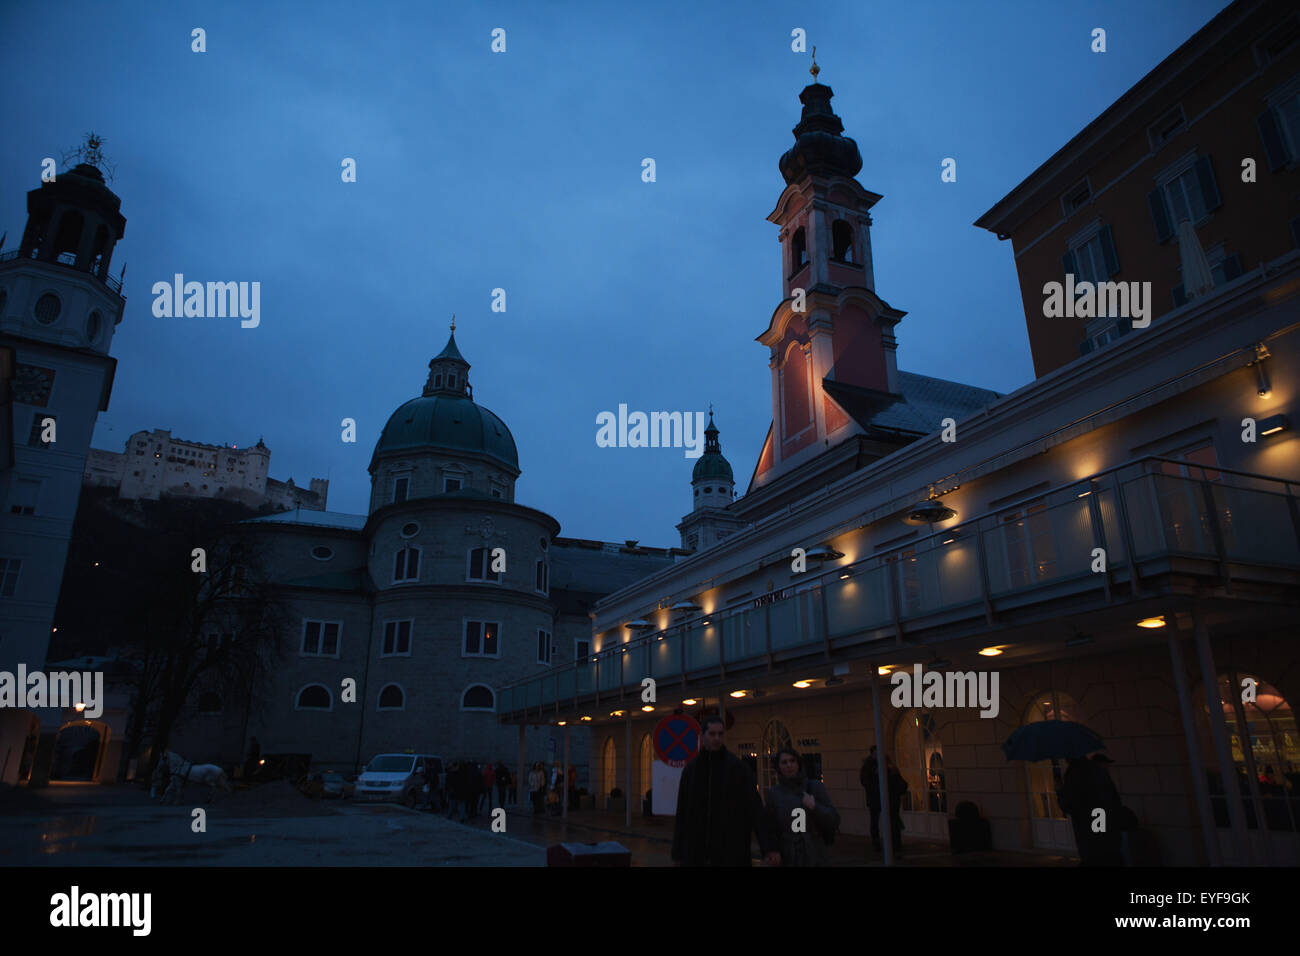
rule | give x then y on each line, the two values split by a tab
183	772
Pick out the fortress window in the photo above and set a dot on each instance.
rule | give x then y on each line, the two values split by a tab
397	637
314	697
481	639
478	697
399	490
480	566
391	698
406	565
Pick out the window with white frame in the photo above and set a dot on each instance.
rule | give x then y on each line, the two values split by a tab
450	484
315	697
392	698
400	488
482	639
320	638
480	566
406	565
478	697
543	577
1279	125
545	647
1186	191
397	638
1091	256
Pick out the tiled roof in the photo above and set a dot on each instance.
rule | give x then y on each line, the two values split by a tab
920	410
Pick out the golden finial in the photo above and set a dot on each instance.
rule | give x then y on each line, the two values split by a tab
453	321
814	69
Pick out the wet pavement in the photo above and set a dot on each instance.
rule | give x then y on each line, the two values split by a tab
117	825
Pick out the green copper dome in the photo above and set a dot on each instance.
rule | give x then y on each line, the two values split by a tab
450	422
445	417
712	466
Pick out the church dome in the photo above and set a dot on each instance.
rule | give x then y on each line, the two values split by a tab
712	466
819	147
450	422
446	418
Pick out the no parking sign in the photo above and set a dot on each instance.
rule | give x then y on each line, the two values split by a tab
676	740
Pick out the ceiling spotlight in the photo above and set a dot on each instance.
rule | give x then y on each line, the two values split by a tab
739	693
884	669
823	553
1152	622
586	718
690	702
648	709
561	722
802	683
991	652
617	713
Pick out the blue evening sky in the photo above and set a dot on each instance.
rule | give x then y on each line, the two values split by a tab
522	170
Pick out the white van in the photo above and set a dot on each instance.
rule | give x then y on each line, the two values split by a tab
397	777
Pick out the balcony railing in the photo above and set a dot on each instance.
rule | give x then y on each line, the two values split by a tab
1215	522
68	260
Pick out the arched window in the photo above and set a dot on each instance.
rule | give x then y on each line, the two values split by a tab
315	697
841	241
406	565
1050	827
775	736
392	698
796	398
478	697
1273	758
798	250
919	753
608	770
69	235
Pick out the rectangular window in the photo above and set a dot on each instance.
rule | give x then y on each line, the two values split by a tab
544	647
450	484
481	638
34	440
406	565
543	581
1076	198
22	500
320	638
397	637
1184	198
581	652
9	568
480	566
1167	127
399	490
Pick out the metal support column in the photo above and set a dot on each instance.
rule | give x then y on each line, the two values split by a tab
1197	768
521	781
882	775
564	774
627	770
1227	769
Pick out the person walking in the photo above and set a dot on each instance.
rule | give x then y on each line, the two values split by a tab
718	806
537	787
503	783
798	838
897	786
867	776
1086	788
489	781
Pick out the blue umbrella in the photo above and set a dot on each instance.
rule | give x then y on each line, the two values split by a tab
1048	739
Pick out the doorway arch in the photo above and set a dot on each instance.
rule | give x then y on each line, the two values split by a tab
1051	828
79	751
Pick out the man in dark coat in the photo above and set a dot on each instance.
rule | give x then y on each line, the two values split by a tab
867	777
1086	788
718	806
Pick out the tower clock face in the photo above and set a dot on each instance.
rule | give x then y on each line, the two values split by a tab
32	385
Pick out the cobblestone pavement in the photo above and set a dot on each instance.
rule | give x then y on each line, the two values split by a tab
120	826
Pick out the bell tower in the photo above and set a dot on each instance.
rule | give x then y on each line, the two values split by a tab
59	307
830	326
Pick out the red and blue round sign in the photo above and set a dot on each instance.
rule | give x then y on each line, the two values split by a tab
676	739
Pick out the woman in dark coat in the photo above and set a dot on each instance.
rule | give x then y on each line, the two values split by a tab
804	845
